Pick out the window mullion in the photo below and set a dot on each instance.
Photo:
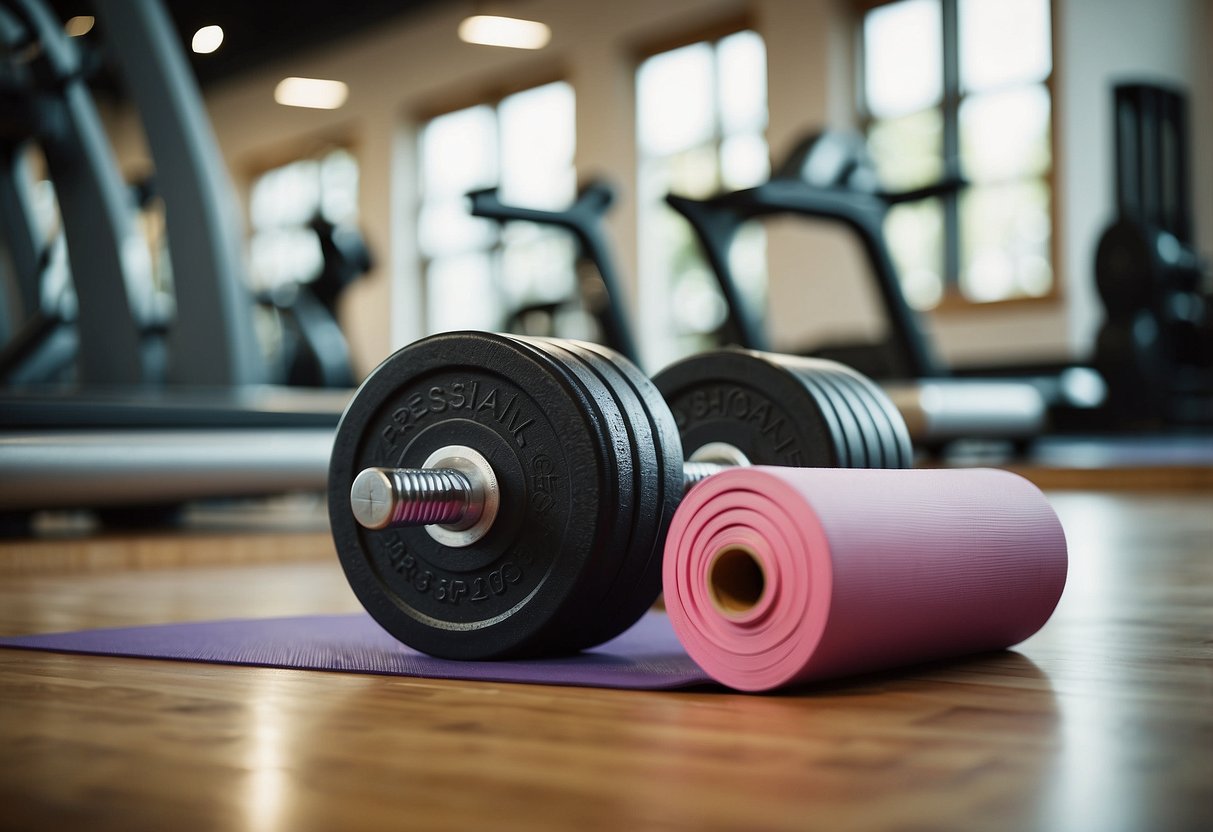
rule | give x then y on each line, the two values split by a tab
717	117
496	250
951	140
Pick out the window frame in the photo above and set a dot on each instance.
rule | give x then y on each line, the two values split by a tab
313	147
953	96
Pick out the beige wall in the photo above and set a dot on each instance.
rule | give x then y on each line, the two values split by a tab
818	284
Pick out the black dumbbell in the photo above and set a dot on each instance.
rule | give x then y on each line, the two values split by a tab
495	496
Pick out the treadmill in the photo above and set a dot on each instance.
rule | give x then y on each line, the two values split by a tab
828	176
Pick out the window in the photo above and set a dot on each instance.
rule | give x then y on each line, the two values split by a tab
963	86
701	117
284	249
476	273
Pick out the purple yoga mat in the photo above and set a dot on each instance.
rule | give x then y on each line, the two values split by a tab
646	657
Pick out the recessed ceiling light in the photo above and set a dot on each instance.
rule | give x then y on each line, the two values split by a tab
207	39
316	93
512	32
79	25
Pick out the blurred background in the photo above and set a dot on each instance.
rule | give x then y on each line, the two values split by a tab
353	133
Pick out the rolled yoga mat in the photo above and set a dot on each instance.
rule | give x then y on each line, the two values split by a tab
779	576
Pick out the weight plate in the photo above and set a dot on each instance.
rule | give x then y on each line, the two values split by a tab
747	399
1132	357
899	453
668	477
855	428
499	596
1127	269
873	436
638	583
888	455
601	609
827	397
661	421
615	550
618	497
888	440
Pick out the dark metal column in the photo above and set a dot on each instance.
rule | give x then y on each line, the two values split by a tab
110	267
212	340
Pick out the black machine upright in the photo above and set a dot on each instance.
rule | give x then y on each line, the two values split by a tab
1155	347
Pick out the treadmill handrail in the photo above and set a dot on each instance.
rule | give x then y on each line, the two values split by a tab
717	219
584	219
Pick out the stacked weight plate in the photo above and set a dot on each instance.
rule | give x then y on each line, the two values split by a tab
589	474
784	410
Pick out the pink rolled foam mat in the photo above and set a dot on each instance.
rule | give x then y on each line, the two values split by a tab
780	576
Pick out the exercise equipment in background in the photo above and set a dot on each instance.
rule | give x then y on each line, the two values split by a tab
204	334
1155	346
160	448
47	102
171	408
938	409
599	292
211	340
314	351
154	471
829	176
27	256
494	496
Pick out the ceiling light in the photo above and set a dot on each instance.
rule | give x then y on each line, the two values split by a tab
207	39
490	30
79	25
315	93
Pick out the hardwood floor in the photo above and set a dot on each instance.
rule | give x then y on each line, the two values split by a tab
1103	721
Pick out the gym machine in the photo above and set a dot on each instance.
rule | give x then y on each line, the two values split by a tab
937	409
584	219
829	176
314	349
1155	346
134	431
46	100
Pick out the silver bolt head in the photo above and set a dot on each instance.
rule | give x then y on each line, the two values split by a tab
372	499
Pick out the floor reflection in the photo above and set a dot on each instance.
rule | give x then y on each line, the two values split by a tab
267	758
1122	646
